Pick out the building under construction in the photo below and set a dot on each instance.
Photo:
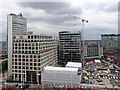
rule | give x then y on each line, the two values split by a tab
54	76
69	47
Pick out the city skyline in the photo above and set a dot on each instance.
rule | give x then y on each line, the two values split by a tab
52	17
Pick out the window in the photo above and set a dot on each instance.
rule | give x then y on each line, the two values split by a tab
23	56
30	67
30	56
31	64
30	60
34	64
23	59
19	67
23	67
15	67
26	59
34	68
15	63
36	47
32	36
34	56
27	67
19	63
35	36
15	55
12	67
38	64
34	60
29	51
19	59
28	37
38	60
19	51
38	68
38	56
26	44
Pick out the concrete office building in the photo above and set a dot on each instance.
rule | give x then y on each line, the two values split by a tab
16	24
69	47
31	53
93	51
109	41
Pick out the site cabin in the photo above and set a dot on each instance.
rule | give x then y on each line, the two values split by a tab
97	62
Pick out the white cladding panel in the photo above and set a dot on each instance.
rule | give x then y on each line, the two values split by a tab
60	76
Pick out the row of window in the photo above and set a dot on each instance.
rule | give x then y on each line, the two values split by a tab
31	64
35	68
31	60
34	40
33	51
26	56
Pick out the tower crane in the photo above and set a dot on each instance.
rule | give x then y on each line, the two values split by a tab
83	21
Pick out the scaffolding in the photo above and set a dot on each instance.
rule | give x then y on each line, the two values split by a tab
60	76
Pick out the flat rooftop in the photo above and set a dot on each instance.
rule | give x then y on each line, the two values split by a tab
60	68
74	65
97	61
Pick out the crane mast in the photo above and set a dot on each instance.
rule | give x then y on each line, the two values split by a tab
82	49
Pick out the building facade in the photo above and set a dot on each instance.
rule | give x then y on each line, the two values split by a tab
53	76
69	47
31	53
93	51
109	41
16	24
111	44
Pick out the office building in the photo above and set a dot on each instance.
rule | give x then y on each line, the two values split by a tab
69	47
109	41
93	51
16	24
31	53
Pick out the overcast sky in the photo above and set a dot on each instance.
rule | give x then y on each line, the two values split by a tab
52	17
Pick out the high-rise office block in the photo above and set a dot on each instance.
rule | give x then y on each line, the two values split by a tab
16	24
69	47
31	53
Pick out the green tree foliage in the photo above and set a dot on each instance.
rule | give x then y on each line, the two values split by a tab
4	65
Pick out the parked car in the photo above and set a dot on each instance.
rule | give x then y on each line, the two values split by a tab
101	84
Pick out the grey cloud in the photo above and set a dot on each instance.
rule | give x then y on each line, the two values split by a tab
108	7
52	7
